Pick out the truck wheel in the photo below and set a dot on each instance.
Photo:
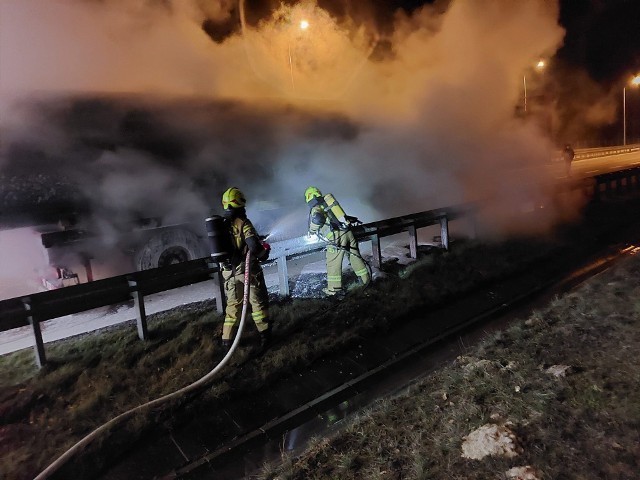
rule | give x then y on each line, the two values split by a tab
169	247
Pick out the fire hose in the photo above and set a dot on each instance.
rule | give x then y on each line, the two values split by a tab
193	387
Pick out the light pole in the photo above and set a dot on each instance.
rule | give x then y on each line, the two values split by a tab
539	66
635	81
524	79
304	24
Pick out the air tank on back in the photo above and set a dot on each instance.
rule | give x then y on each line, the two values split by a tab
219	237
335	209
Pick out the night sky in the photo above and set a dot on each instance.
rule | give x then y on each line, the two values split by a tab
603	36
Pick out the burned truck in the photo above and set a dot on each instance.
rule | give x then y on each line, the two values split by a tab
113	185
76	247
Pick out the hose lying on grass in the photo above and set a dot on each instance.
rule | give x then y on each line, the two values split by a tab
195	386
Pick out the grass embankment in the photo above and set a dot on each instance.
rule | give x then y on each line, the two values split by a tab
91	379
582	424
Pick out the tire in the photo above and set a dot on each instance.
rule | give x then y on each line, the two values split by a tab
168	247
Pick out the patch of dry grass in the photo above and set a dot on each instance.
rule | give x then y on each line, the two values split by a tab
584	425
92	379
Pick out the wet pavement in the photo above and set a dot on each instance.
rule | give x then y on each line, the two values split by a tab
241	436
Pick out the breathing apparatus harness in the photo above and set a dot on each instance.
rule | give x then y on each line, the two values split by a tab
183	392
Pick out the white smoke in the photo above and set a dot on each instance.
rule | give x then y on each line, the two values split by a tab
390	123
115	46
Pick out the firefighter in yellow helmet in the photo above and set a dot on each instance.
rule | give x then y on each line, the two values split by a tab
244	238
328	220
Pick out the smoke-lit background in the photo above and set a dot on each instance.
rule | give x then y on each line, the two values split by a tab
152	108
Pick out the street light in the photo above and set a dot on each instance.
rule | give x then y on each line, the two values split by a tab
635	81
539	66
304	25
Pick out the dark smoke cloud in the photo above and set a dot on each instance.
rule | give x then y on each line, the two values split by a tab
131	158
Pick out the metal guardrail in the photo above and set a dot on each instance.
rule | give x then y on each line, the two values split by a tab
616	183
373	232
39	307
585	153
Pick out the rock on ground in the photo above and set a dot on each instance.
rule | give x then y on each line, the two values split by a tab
496	440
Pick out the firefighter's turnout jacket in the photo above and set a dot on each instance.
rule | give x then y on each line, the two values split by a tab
341	242
244	238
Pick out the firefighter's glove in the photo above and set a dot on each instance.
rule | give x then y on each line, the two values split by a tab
352	221
267	251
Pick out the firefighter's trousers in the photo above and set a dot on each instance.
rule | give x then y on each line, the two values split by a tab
344	244
258	299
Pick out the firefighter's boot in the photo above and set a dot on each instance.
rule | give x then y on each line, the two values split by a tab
226	345
265	340
337	293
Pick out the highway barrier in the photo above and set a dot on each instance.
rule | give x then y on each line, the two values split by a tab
33	309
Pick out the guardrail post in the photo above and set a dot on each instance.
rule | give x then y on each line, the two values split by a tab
141	316
413	241
86	262
283	276
596	190
376	252
38	346
218	286
609	188
444	232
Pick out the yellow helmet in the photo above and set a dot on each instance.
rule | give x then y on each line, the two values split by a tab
311	193
233	198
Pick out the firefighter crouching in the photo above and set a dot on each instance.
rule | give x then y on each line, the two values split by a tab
328	221
244	237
